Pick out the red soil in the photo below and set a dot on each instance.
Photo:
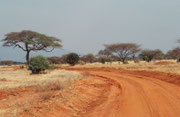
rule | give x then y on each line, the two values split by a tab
109	93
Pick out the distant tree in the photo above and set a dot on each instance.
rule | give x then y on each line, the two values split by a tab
123	50
63	59
31	41
54	60
106	52
148	55
88	58
158	54
173	54
72	58
6	62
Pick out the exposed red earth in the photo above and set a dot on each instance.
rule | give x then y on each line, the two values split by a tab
107	92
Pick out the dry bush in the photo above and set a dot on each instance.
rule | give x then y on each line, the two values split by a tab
45	96
53	86
3	79
81	62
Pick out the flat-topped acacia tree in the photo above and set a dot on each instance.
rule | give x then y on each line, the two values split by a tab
31	41
123	50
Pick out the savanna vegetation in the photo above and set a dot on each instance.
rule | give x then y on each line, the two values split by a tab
118	52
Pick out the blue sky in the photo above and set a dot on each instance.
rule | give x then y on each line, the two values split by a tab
85	25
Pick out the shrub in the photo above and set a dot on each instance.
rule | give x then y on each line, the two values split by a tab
72	58
103	60
147	57
178	60
82	62
136	60
38	64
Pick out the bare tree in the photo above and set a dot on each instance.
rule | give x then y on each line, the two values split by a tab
123	50
31	41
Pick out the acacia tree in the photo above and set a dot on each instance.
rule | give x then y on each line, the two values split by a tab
123	50
31	41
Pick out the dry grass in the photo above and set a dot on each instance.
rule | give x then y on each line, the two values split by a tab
168	66
46	87
22	78
52	86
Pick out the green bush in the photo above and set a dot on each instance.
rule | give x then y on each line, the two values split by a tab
38	64
72	58
147	57
178	60
103	60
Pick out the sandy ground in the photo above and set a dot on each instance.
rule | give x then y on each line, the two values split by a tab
106	92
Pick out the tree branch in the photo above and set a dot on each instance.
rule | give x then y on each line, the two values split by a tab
17	45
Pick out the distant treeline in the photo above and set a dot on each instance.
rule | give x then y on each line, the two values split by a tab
10	62
29	41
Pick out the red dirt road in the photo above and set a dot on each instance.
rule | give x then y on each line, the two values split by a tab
136	94
111	93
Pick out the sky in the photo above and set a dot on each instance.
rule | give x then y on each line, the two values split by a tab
85	26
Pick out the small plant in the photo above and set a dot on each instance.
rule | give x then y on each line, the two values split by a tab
178	60
136	60
38	64
103	60
45	96
21	67
3	79
72	59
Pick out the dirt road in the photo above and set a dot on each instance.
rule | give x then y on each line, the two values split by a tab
113	93
136	94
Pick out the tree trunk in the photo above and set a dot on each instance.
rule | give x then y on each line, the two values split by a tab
123	60
27	57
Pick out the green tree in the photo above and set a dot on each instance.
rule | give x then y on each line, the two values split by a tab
31	41
72	58
148	55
